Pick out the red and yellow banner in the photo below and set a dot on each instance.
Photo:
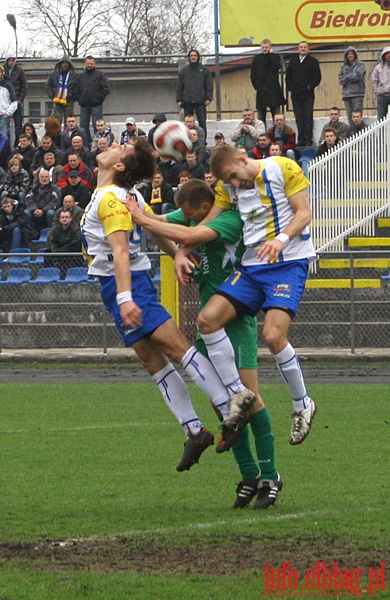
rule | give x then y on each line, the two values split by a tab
290	21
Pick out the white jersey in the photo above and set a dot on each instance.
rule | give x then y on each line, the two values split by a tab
266	211
106	214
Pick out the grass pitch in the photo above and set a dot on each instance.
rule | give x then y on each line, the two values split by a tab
91	505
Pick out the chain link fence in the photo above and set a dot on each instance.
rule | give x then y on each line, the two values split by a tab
50	302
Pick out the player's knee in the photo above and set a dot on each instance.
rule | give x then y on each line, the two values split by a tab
205	323
274	340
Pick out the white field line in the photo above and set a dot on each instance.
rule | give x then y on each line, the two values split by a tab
84	428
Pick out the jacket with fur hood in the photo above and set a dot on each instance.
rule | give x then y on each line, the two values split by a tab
17	77
380	79
52	80
352	76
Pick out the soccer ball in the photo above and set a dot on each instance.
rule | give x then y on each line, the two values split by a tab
172	139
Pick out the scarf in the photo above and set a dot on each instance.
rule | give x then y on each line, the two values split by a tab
62	87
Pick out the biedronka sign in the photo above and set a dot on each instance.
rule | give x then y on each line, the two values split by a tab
290	21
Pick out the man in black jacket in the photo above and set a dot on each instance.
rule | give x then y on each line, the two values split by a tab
25	151
265	79
93	89
194	89
61	86
303	75
18	79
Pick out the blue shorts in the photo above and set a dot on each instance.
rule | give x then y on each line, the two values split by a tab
254	288
145	296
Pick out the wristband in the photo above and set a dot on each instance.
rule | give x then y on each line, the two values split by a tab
283	237
124	297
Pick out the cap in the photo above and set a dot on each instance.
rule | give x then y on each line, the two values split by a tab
130	121
219	136
74	173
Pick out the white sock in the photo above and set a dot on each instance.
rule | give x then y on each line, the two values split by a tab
221	354
174	391
203	374
290	369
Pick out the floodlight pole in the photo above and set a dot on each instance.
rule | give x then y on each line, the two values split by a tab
12	21
217	66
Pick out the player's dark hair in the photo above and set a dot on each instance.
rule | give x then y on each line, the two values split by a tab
138	166
194	192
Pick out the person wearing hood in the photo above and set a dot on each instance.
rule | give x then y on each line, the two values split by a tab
352	79
157	120
380	81
61	88
18	79
8	102
194	89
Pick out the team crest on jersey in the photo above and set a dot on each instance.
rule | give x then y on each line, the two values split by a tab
282	290
112	203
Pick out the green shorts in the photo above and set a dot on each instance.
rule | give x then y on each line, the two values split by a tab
242	333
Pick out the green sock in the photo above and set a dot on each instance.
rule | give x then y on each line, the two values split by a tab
264	441
245	460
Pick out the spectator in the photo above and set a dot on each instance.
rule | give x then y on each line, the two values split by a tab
64	237
284	136
352	79
261	150
17	183
53	130
265	80
75	164
102	131
102	146
303	75
157	120
184	176
358	124
18	79
210	179
191	164
334	122
46	146
380	81
159	195
189	122
42	201
275	149
93	89
200	150
31	131
194	89
5	148
61	87
15	227
77	147
76	188
71	130
131	131
8	102
246	133
69	203
49	164
219	139
330	141
24	151
170	170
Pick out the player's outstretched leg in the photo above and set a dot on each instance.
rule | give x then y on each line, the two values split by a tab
193	449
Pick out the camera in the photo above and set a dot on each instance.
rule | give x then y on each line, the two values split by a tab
384	4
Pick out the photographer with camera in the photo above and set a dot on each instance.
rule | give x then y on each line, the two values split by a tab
246	133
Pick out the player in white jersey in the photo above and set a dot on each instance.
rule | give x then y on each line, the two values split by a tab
271	196
112	246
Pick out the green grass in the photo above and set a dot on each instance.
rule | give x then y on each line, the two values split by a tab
98	461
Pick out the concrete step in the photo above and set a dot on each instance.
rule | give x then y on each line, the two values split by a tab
358	263
364	242
343	283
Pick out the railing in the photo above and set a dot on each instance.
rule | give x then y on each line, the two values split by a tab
350	187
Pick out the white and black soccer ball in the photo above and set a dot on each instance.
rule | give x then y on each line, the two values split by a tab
172	139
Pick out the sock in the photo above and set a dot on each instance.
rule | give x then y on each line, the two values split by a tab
221	354
175	394
202	373
290	369
264	442
244	458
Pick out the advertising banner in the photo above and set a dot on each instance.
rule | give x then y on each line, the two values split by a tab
291	21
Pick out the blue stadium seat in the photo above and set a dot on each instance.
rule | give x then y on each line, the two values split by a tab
18	260
18	275
76	275
42	236
39	260
47	275
307	155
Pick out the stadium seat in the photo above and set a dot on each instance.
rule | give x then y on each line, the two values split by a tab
76	275
47	275
39	260
18	260
42	236
307	155
18	275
